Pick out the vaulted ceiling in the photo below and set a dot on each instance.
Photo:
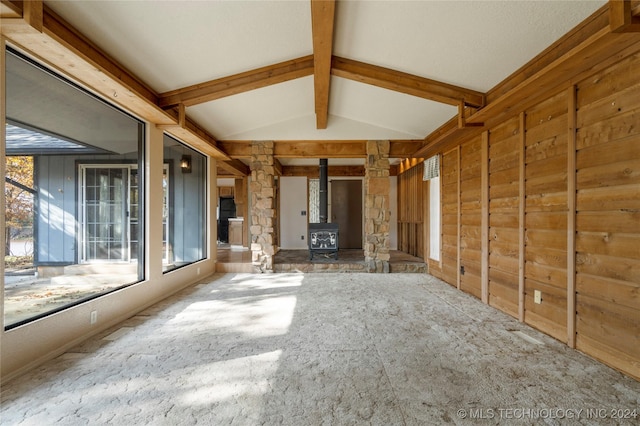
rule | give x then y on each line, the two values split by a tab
319	70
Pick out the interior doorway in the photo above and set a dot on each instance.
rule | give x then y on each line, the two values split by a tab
346	211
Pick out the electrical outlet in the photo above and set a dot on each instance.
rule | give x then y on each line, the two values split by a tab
537	296
302	237
94	317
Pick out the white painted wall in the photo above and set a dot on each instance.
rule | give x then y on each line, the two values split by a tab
293	225
293	200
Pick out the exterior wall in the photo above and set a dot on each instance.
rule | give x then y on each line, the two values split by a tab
562	185
187	220
27	346
55	221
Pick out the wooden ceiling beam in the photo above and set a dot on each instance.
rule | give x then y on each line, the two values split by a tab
621	19
405	83
322	19
238	83
319	148
9	10
584	51
233	168
33	14
236	149
313	172
41	32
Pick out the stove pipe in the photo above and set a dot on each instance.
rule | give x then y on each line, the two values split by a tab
324	191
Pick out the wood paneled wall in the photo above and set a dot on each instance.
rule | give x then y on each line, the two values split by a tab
607	217
549	201
411	212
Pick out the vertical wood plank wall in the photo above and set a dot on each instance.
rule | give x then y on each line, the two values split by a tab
411	213
563	173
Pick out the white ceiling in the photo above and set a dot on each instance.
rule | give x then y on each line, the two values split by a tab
173	44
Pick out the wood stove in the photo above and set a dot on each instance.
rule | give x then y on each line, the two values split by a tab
323	236
323	239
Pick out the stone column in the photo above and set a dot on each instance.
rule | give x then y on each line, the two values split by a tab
262	206
376	208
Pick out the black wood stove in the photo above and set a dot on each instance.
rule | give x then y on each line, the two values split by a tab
323	236
323	239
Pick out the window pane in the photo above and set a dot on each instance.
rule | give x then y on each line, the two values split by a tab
184	206
81	153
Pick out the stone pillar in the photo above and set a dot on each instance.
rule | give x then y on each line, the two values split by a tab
376	207
262	206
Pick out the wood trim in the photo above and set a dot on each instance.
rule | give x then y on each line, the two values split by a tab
459	221
571	218
484	203
322	19
621	17
405	83
238	83
521	216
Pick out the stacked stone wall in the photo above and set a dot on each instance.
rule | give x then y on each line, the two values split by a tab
263	213
377	213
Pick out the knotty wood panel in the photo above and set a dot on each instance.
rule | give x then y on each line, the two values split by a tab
608	216
504	160
546	215
470	216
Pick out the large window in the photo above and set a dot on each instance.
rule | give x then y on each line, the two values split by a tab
184	206
74	220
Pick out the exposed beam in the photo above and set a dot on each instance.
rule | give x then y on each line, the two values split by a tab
277	165
314	171
238	83
191	132
33	14
585	50
405	83
233	168
63	47
320	149
403	148
322	18
9	10
236	149
621	19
